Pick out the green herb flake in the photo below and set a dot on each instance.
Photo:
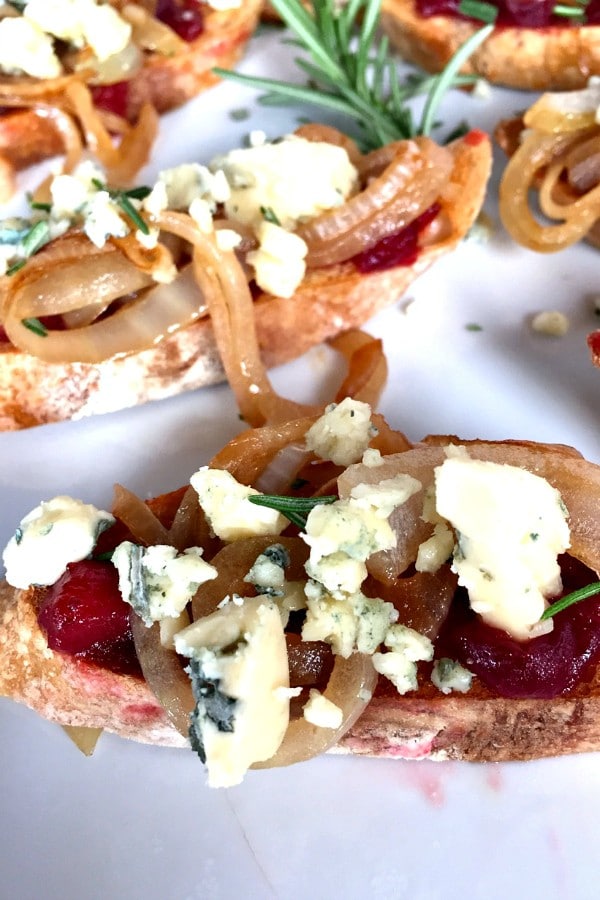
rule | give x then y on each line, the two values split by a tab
473	326
581	594
35	325
296	509
239	115
480	10
269	215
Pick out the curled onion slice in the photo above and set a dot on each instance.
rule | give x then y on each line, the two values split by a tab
407	186
145	527
164	674
350	687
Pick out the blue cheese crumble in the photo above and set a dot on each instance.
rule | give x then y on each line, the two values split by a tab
157	581
343	432
57	532
406	647
448	676
227	507
511	526
240	680
322	712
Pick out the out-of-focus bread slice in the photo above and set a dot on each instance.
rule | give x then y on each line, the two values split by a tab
554	58
165	81
329	301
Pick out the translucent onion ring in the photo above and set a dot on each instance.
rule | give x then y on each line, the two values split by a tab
163	673
158	311
350	686
536	153
145	527
406	187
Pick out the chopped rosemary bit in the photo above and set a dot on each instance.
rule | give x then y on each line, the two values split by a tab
473	326
350	70
296	509
124	198
479	9
239	115
34	240
269	215
36	326
581	594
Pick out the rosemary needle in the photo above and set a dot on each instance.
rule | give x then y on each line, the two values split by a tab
350	70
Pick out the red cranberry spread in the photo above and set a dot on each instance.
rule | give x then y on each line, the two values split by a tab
185	17
112	97
400	249
84	616
514	13
544	667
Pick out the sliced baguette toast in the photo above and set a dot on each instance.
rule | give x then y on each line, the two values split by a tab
553	58
330	300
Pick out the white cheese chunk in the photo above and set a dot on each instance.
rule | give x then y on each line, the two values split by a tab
407	647
157	581
279	263
386	495
343	432
103	219
240	677
511	526
433	553
355	624
322	712
25	48
80	22
448	675
54	534
229	512
296	179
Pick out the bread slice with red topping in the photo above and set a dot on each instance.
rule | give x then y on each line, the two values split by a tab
329	300
550	58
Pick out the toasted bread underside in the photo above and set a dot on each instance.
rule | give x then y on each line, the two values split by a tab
532	59
477	726
164	81
329	301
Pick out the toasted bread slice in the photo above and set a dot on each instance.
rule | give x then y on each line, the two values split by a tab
329	301
553	58
164	81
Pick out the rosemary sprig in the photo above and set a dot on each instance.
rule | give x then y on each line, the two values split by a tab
34	240
296	509
351	71
581	594
124	198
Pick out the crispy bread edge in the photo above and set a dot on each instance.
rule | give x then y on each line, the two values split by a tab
329	301
526	58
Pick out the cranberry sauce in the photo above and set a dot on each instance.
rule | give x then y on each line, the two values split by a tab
519	13
544	667
113	98
400	249
185	17
83	615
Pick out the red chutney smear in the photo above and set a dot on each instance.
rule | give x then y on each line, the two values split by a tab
185	17
594	344
83	615
513	13
542	668
113	98
400	249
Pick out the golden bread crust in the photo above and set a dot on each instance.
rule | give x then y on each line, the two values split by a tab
528	58
329	301
69	691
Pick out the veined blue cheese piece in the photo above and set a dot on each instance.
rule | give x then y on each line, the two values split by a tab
279	262
343	432
229	512
511	526
158	582
57	532
355	624
448	675
296	179
240	679
268	572
406	648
